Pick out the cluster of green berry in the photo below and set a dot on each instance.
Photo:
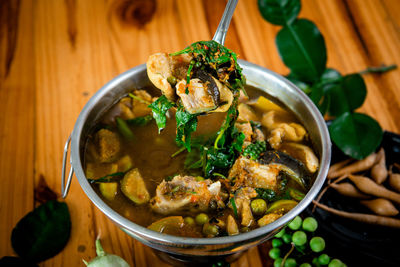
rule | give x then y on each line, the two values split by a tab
254	150
301	244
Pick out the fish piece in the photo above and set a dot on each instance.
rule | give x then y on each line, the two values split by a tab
161	66
204	94
253	174
184	193
198	99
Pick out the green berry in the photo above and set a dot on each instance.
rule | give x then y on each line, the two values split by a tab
201	218
278	262
299	238
317	244
276	243
290	262
305	265
296	223
310	224
275	253
324	259
280	233
287	238
315	262
336	263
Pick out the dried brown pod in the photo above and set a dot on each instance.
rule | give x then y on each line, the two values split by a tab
358	166
362	217
349	190
381	206
394	180
368	186
379	171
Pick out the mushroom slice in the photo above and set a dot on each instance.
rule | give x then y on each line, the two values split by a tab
302	153
282	127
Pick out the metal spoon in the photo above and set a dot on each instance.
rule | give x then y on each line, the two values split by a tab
223	25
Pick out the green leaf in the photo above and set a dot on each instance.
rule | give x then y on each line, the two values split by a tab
279	12
302	49
186	124
160	108
357	135
42	233
348	95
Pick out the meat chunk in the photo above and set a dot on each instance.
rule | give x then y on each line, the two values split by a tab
185	193
107	144
251	173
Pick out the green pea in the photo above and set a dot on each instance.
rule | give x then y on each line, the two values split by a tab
189	221
336	263
290	262
310	224
210	230
324	259
258	206
299	238
317	244
305	265
296	223
315	262
287	238
201	218
275	253
280	233
278	262
172	80
276	243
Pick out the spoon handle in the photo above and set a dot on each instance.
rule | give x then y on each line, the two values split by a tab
223	26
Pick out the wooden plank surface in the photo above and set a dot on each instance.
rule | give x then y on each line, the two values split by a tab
55	54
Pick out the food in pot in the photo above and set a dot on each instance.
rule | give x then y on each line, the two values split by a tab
199	160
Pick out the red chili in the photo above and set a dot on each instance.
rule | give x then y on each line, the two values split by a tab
205	47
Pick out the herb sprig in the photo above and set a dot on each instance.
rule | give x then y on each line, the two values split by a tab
302	49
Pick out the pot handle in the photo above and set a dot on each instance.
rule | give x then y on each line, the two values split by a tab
65	186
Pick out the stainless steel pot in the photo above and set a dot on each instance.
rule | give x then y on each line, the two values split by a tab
264	79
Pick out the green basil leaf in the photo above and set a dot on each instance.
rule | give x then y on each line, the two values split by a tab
279	12
42	233
302	49
140	121
160	108
348	95
357	135
186	124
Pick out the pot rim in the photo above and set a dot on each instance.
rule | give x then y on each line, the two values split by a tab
125	223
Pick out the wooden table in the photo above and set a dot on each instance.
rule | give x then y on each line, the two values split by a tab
54	55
